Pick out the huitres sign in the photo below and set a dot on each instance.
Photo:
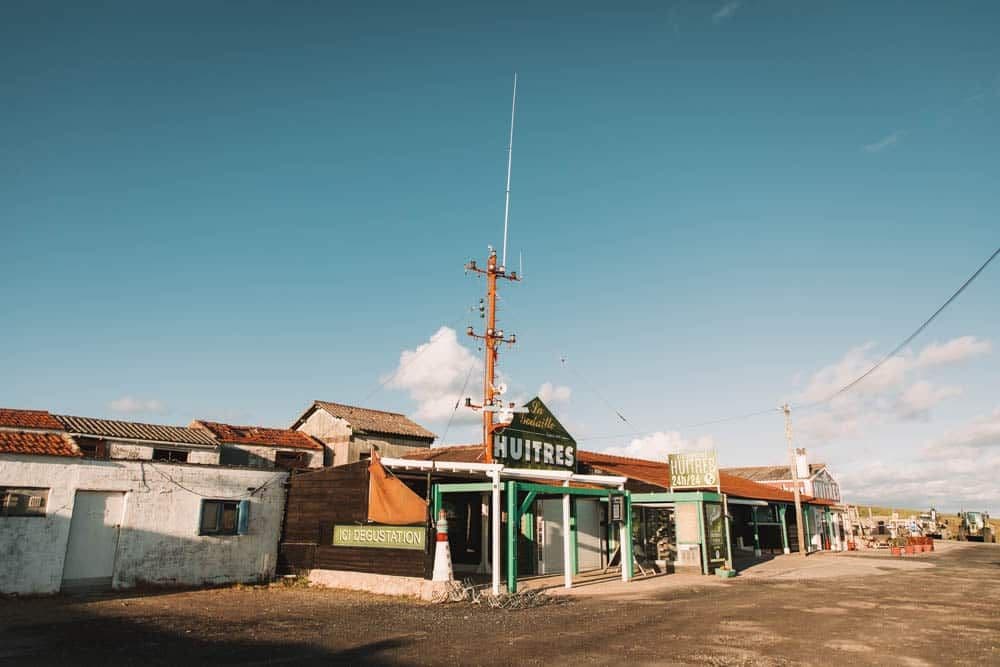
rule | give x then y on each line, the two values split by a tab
535	439
694	470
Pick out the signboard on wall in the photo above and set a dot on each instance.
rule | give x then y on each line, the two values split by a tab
380	537
535	439
694	470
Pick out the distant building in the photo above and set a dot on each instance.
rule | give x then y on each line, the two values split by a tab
350	433
815	479
114	439
260	447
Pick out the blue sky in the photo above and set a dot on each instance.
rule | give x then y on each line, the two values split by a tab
219	211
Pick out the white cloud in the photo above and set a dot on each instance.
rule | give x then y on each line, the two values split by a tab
130	405
947	484
434	373
656	446
883	143
918	399
970	440
550	393
955	350
726	11
889	393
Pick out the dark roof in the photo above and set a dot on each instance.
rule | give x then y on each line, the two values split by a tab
110	428
40	444
371	421
770	473
40	419
258	435
655	473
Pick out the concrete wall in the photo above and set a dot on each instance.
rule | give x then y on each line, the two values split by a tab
158	541
263	457
140	452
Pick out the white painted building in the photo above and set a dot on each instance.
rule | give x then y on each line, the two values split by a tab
260	447
68	521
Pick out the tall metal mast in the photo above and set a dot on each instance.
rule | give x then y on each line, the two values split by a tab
492	338
510	156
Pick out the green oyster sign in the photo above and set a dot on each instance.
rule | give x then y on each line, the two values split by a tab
535	439
696	470
380	537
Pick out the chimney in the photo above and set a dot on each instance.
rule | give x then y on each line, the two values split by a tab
801	463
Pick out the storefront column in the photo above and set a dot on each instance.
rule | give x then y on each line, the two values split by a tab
495	519
513	527
701	537
626	539
484	542
756	533
784	529
574	546
567	541
806	509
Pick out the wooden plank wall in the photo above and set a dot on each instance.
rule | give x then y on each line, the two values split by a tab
339	495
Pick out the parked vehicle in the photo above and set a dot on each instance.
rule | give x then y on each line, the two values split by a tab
975	527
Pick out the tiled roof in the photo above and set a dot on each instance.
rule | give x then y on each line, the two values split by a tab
40	419
258	435
110	428
42	444
372	421
656	473
770	473
450	453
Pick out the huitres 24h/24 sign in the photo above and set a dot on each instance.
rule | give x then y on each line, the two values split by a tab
694	470
535	439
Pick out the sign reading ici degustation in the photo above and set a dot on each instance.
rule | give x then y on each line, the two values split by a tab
694	470
535	439
380	537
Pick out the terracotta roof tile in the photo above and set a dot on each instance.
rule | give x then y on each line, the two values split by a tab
41	444
372	421
110	428
40	419
258	435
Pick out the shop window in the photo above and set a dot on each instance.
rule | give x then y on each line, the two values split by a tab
174	455
224	517
23	502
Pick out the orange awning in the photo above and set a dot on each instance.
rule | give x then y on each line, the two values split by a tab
391	502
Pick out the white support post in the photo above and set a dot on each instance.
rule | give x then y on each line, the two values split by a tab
567	543
625	544
495	560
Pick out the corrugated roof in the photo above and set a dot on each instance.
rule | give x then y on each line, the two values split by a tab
258	435
770	473
39	444
110	428
40	419
372	421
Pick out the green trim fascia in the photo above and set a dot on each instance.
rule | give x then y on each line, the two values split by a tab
527	502
677	496
545	489
465	487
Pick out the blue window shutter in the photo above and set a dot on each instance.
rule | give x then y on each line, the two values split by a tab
243	522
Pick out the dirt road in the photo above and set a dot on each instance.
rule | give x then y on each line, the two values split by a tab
835	609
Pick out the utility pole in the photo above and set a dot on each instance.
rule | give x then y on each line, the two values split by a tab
492	339
799	526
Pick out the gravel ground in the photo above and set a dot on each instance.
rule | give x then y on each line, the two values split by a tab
946	611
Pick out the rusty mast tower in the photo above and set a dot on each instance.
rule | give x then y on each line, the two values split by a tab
492	337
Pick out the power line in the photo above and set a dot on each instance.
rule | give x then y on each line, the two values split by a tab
847	387
458	402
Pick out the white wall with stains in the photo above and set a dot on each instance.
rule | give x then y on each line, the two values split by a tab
158	542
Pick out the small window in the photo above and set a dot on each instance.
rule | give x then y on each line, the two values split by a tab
224	517
93	448
175	455
290	460
23	502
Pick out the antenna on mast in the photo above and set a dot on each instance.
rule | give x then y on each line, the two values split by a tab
510	155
